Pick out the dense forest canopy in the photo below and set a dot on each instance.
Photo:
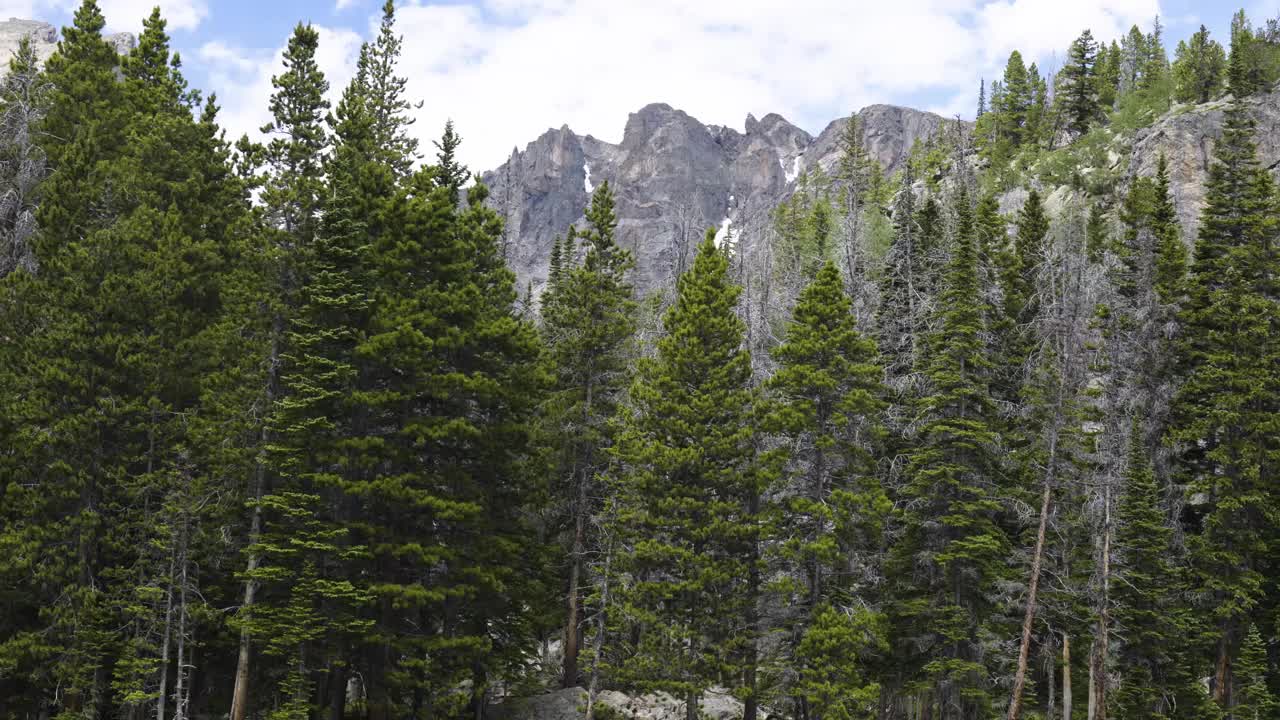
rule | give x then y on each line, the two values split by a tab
281	438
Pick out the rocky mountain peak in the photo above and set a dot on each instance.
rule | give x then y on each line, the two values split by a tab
674	177
44	39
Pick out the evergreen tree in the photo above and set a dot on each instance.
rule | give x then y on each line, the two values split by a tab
686	493
1079	84
1170	264
827	399
1143	591
388	108
1199	68
587	322
1016	100
295	154
835	651
1108	71
952	550
1246	71
901	311
449	172
1223	415
1255	701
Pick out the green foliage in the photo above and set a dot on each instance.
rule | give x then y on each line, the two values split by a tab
588	323
951	553
1255	701
686	493
1254	64
836	650
826	405
1223	414
1199	69
1078	84
1147	614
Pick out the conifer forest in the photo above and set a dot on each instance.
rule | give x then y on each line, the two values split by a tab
282	436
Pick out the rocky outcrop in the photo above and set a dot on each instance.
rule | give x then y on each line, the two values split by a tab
570	705
674	178
1186	136
44	39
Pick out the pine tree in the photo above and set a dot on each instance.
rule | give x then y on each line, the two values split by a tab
1223	415
1199	68
458	375
1016	100
1108	70
1247	72
1155	61
1143	591
390	112
1170	264
1255	701
900	313
295	155
953	548
1079	92
72	405
686	493
292	194
827	399
1021	268
835	651
587	323
449	172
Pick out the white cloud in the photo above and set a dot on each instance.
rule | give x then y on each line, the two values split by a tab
127	15
506	70
242	78
344	4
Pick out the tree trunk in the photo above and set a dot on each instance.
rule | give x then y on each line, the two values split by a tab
691	707
573	622
1028	619
582	472
181	682
337	691
1066	676
593	687
168	624
240	693
1222	671
1098	659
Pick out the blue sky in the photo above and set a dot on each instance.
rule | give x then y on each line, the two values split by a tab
506	70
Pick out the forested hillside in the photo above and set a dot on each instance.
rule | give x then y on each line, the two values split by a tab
984	432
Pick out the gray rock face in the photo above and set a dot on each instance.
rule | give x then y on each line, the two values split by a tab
569	705
1186	137
44	39
674	178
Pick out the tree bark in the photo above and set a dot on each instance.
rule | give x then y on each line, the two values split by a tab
168	624
570	669
1098	659
240	693
1028	619
1222	671
1066	676
582	472
593	687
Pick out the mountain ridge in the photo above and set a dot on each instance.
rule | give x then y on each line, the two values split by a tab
674	177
